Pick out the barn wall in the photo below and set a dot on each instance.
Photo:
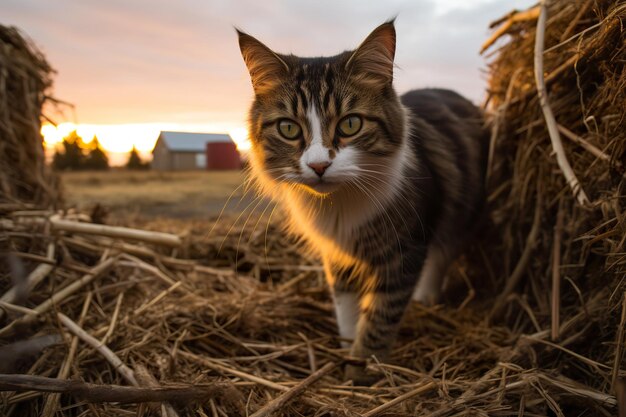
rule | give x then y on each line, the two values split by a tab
161	157
184	161
222	156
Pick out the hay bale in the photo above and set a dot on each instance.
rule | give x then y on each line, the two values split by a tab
24	79
585	45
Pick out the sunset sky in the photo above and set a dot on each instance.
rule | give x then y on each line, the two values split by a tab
133	68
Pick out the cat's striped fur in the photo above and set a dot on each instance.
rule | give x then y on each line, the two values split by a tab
393	203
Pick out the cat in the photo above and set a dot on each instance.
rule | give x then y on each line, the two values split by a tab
386	189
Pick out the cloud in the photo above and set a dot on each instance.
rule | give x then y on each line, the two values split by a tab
163	61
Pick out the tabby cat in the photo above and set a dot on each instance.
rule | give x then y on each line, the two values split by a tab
385	188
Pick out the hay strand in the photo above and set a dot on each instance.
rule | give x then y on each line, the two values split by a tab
110	393
506	23
553	131
555	311
108	354
115	232
384	407
294	392
59	296
52	400
617	362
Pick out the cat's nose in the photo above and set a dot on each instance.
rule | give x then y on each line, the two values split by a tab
319	167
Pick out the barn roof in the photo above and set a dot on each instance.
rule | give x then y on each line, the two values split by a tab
192	142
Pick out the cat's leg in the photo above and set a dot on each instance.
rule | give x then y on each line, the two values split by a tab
347	313
433	274
382	308
378	324
346	300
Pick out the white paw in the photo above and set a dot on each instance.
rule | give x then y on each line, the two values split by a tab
345	344
347	312
426	295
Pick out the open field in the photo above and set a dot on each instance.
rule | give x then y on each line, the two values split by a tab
183	195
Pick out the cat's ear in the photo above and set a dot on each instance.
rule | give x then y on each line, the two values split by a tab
372	61
266	68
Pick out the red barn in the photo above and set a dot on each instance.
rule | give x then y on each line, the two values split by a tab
222	156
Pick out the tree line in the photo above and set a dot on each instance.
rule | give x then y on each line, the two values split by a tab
75	154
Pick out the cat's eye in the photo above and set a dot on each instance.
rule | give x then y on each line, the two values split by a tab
349	125
289	129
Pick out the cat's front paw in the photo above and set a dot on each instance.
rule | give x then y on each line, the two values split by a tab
426	296
359	376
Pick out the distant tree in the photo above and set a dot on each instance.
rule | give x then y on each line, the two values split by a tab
71	157
96	158
134	161
59	162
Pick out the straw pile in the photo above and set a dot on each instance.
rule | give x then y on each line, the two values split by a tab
237	322
562	245
24	79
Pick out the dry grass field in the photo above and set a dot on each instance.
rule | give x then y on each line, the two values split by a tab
150	194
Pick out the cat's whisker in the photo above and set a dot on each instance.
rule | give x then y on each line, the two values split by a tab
384	212
269	220
375	181
259	200
409	205
260	218
252	233
359	169
361	189
219	251
219	217
372	198
387	274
